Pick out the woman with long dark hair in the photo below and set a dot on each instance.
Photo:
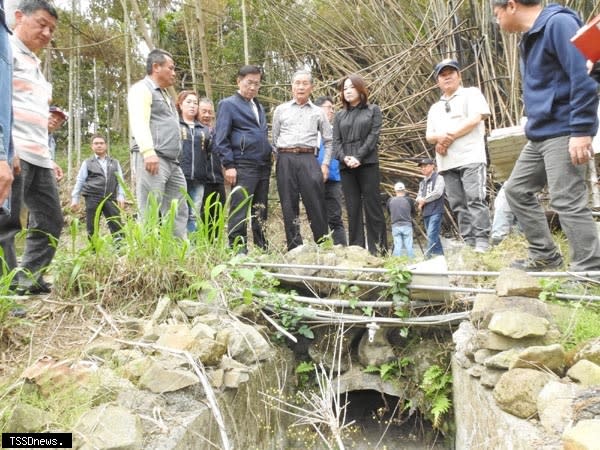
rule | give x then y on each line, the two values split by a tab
355	137
195	140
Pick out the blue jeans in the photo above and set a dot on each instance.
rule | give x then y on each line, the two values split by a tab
549	162
433	224
403	240
195	190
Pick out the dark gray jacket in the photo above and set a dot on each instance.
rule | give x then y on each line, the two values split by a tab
356	133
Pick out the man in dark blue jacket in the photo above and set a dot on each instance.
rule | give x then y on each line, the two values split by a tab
561	103
242	143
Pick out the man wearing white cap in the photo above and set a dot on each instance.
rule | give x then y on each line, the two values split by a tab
455	126
402	210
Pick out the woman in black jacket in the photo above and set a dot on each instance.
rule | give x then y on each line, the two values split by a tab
195	140
355	136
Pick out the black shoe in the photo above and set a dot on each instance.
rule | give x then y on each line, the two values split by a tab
18	312
29	287
538	265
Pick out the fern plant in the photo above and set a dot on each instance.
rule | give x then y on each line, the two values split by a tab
437	387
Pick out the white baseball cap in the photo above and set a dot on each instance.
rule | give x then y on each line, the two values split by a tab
399	186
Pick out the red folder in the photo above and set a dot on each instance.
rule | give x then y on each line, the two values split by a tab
587	39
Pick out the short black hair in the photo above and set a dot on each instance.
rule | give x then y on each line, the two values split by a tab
156	56
322	99
28	7
249	69
97	136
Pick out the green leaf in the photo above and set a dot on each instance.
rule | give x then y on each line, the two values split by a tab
217	270
305	331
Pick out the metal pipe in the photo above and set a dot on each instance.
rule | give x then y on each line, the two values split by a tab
472	273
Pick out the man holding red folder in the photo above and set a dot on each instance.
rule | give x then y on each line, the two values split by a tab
561	104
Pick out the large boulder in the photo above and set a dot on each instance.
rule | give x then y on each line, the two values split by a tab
245	343
585	372
583	436
513	282
109	427
160	378
518	325
486	305
554	405
550	357
590	351
517	391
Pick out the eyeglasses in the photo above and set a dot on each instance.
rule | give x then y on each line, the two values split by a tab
251	83
447	106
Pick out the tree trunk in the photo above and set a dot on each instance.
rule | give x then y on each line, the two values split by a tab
203	50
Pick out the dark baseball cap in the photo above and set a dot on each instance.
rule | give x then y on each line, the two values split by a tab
443	64
425	161
57	110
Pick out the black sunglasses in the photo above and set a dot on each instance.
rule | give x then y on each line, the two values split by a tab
447	106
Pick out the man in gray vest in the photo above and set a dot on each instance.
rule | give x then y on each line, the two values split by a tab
98	181
155	128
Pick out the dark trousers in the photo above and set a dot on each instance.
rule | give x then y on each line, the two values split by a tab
109	210
361	192
299	175
333	203
255	181
37	189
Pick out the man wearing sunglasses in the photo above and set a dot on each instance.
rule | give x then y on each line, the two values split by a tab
455	126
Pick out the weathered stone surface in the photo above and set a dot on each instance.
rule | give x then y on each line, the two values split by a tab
122	357
49	374
517	391
159	379
463	338
245	343
27	419
357	380
203	331
587	404
481	424
585	372
109	427
489	377
233	378
502	360
518	325
211	319
102	349
585	435
590	351
133	327
377	352
492	341
482	354
554	405
208	351
177	336
216	377
551	357
486	305
476	371
322	350
513	282
193	308
162	310
134	369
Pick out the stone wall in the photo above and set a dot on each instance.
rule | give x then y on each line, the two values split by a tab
514	387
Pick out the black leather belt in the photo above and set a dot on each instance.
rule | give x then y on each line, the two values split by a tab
296	150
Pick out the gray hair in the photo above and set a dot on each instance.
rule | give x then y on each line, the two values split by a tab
156	56
503	3
206	100
302	72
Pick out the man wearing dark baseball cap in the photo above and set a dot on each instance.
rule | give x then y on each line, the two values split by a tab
56	118
430	202
455	126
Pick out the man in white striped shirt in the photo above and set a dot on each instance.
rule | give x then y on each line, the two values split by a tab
35	182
